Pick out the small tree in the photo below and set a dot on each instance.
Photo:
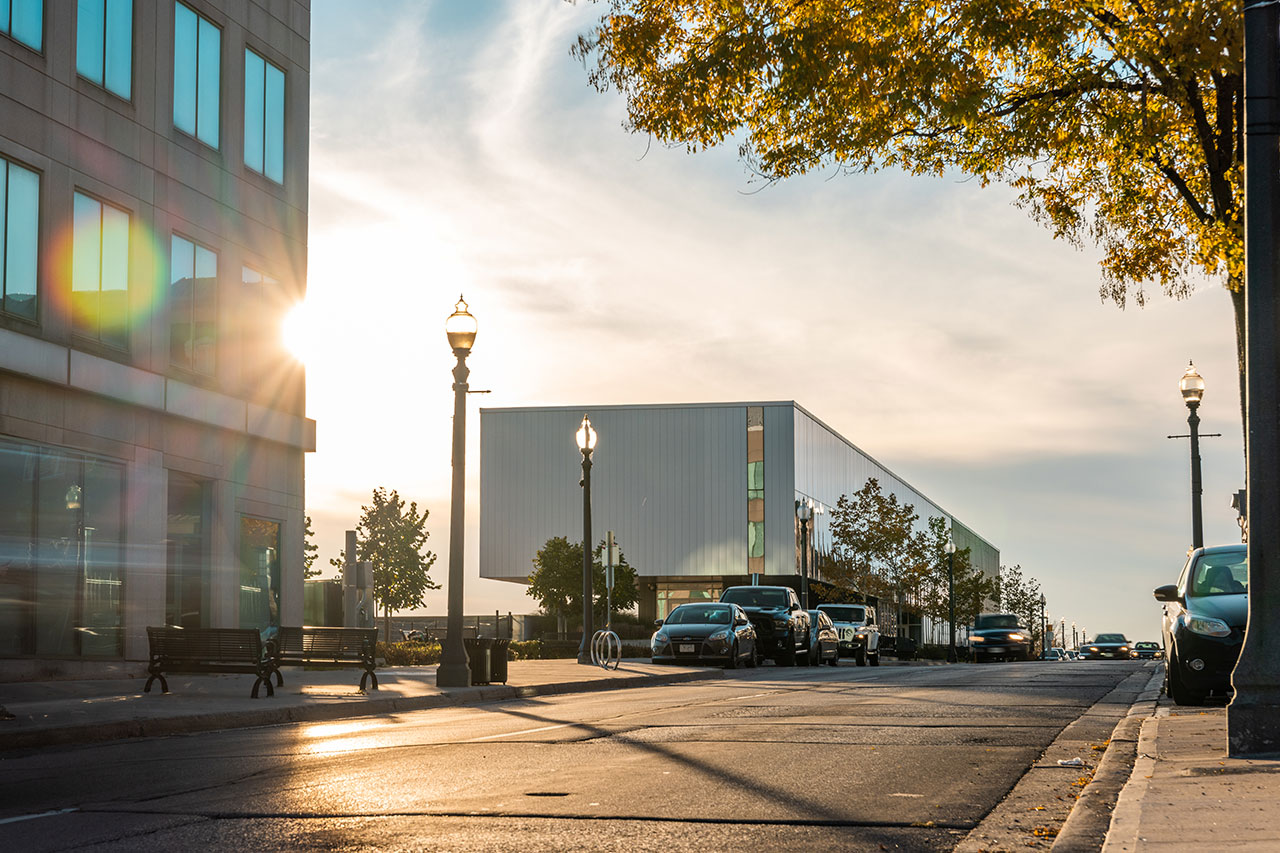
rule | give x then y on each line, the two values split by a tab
556	581
1021	597
309	549
392	538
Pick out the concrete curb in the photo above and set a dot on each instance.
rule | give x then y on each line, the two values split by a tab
268	716
1086	828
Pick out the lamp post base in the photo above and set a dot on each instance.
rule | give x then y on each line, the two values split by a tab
585	657
453	675
1253	728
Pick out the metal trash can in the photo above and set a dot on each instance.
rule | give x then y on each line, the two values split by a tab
498	661
480	655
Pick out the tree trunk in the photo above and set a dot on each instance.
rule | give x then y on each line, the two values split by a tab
386	621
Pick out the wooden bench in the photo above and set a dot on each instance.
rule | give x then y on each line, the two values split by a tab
208	650
328	647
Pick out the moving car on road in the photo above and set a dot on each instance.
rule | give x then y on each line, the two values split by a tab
782	628
1146	651
859	636
998	636
1107	647
1204	620
824	643
705	633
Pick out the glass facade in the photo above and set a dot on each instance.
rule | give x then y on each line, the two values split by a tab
671	595
259	572
104	44
19	238
23	21
197	74
263	117
193	290
61	546
755	489
100	272
187	553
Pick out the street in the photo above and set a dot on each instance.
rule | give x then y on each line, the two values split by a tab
846	758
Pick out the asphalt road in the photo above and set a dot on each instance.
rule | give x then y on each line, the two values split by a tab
844	758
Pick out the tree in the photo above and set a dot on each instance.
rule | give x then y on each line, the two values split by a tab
556	581
392	537
309	549
1120	123
1021	597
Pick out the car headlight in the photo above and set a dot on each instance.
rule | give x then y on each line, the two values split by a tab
1124	648
1016	637
1093	648
977	639
720	637
1208	626
660	641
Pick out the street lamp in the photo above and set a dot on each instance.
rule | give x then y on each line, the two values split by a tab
1043	624
1192	386
1075	638
804	512
455	669
950	548
586	437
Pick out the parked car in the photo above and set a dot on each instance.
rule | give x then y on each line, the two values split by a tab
824	642
1073	654
1055	654
859	636
1146	651
998	636
705	633
1204	620
782	628
1107	647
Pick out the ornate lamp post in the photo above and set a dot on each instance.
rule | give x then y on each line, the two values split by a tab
950	548
804	513
455	669
586	437
1192	387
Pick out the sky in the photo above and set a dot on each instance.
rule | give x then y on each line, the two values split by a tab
458	148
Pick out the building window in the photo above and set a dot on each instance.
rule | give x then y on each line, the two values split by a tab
187	583
23	21
61	544
19	238
100	272
197	71
259	572
263	117
104	44
755	489
193	289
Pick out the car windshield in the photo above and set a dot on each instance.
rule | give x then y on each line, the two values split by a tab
755	597
844	613
1146	646
995	620
700	614
1110	638
1220	573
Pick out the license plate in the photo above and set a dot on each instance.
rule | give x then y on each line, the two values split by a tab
687	648
995	648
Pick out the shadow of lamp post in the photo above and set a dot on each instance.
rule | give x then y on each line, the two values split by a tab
455	669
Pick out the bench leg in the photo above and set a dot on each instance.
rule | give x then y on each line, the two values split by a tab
369	675
260	680
279	679
164	685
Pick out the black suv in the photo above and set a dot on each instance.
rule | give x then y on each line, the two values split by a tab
782	628
999	636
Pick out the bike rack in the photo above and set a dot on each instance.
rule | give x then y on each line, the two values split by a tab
606	649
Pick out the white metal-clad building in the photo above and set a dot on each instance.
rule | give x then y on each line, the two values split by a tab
700	496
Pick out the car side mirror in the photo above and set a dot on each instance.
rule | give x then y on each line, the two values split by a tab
657	623
1168	592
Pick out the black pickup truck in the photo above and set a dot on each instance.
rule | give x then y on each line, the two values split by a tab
782	628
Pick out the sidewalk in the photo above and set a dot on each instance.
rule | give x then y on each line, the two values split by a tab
1184	793
65	712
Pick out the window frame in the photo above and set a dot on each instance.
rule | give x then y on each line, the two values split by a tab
97	335
6	28
263	147
106	40
190	367
195	132
6	163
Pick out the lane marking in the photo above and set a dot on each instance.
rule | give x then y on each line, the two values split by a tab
53	813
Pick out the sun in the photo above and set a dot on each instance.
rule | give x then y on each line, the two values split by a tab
297	333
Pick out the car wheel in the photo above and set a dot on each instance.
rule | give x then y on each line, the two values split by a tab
861	658
754	660
787	657
835	659
1177	688
874	659
733	663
